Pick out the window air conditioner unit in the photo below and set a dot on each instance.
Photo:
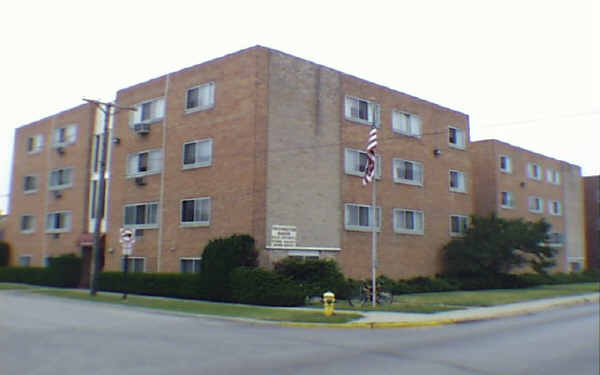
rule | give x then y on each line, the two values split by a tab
60	150
140	181
57	194
141	128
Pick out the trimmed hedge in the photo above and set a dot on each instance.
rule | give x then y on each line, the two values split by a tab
63	271
4	253
176	285
261	287
314	276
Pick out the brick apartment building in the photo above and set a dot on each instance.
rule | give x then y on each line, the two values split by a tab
592	220
50	191
516	183
256	142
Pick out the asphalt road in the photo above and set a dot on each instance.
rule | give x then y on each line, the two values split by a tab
45	335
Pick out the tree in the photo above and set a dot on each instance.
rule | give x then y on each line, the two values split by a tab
220	257
4	253
495	246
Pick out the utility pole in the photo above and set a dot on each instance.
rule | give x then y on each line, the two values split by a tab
100	201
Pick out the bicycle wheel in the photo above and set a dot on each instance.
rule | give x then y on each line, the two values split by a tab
385	298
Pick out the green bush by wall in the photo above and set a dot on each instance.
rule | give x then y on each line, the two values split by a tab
261	287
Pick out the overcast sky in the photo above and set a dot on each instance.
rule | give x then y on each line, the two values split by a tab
526	72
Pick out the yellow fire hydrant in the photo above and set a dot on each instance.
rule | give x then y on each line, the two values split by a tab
328	303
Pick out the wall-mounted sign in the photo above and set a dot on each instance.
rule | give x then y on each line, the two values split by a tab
283	236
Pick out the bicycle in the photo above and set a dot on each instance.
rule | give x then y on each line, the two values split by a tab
363	296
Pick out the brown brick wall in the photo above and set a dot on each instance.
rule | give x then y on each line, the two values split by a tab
74	198
592	220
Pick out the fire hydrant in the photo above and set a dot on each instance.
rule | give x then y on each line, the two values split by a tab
328	303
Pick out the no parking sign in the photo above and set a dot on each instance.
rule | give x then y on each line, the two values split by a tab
127	240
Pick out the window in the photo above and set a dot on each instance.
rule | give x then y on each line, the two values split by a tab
24	260
458	224
534	171
408	221
554	207
30	183
65	136
195	211
60	179
98	138
142	215
362	110
408	172
456	137
505	164
35	143
27	224
134	264
536	204
507	199
552	176
200	97
57	222
457	181
144	163
189	265
356	163
197	154
147	112
407	124
358	217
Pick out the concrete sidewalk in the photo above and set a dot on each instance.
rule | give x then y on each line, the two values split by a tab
377	319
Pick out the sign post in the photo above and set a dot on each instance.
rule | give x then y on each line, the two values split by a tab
127	240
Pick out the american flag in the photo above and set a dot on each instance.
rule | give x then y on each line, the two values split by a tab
371	144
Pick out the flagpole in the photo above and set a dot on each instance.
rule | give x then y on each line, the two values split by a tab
374	242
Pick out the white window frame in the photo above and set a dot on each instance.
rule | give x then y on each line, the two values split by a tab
195	222
508	164
373	111
460	134
530	205
198	164
144	225
68	184
462	219
131	260
510	199
211	98
25	256
553	176
157	112
154	165
196	264
407	124
418	172
348	168
551	206
70	135
419	224
37	144
36	183
462	181
531	168
362	228
32	227
66	217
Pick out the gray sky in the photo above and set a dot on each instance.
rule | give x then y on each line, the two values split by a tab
526	72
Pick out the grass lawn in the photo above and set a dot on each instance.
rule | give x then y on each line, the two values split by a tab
436	302
207	308
6	286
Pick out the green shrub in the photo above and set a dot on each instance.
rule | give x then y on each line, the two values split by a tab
314	276
220	257
4	253
261	287
63	271
152	284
